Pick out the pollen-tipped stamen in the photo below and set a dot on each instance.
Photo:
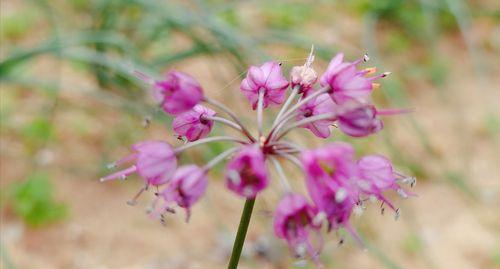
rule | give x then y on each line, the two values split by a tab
120	174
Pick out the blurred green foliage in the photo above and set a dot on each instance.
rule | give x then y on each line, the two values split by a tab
16	25
38	132
410	16
283	15
413	244
32	200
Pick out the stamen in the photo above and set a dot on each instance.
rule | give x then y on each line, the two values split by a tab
134	199
301	250
376	86
142	76
369	71
146	121
366	58
402	193
120	174
398	214
385	74
125	159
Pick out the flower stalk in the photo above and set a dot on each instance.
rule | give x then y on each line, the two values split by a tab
230	114
239	241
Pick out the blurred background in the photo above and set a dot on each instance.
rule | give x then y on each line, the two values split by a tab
69	106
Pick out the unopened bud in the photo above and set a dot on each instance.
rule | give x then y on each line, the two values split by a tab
303	76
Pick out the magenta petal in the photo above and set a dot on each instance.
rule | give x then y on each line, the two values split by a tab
178	92
246	173
193	124
268	78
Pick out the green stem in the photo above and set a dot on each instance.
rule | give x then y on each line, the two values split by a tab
241	234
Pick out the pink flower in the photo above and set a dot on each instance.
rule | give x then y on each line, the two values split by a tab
246	173
293	222
377	175
193	124
187	186
359	120
267	78
178	92
330	180
155	162
322	104
346	81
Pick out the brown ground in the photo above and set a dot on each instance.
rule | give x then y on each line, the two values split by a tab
453	229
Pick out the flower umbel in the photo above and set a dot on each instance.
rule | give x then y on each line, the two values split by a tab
337	182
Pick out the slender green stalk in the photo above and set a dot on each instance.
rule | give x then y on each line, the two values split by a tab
207	140
241	234
288	101
230	114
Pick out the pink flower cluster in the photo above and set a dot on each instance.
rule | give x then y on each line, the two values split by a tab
337	182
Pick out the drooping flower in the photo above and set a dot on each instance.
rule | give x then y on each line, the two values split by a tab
377	175
194	124
267	78
322	104
246	173
347	82
330	179
155	162
187	186
294	221
178	92
359	120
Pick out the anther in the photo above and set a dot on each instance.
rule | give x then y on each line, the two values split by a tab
366	58
300	250
370	70
170	210
131	202
398	213
376	86
385	74
146	121
110	165
402	193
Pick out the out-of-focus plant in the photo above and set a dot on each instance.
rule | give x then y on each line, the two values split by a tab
32	199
